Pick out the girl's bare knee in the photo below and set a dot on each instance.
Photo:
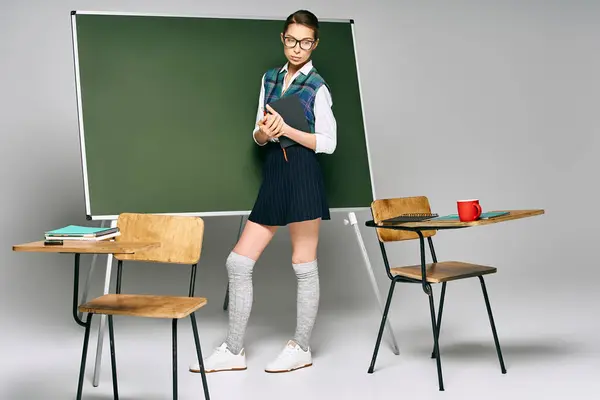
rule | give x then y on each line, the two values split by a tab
254	239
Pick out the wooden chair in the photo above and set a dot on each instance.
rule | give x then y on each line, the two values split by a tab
180	240
424	274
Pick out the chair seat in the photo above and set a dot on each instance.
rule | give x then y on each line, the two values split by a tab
140	305
443	271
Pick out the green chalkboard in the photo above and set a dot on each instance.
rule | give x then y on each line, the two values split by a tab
167	106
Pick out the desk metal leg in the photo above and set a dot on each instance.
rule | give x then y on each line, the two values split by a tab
226	301
352	221
76	290
102	324
88	280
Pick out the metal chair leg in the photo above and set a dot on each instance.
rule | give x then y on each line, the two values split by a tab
436	349
439	320
493	325
174	359
382	327
86	340
199	353
113	358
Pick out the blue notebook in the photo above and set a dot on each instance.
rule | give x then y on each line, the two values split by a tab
75	230
485	215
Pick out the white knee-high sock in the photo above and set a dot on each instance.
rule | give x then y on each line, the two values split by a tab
307	302
239	271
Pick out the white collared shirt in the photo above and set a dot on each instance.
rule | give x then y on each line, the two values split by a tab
325	123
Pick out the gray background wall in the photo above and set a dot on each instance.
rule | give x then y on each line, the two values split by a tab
487	99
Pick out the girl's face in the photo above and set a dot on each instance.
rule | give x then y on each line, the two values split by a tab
298	44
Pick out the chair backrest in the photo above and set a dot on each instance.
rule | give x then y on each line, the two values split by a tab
180	237
389	208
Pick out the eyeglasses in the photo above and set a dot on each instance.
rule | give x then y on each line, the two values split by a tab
305	44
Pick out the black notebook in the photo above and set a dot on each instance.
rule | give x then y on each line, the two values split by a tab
292	111
415	217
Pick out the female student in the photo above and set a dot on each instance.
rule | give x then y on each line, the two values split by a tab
292	193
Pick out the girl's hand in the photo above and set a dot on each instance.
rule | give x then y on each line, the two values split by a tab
266	127
274	123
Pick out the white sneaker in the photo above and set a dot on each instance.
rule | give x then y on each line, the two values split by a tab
222	359
291	358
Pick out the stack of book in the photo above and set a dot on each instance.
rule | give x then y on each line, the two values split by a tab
74	232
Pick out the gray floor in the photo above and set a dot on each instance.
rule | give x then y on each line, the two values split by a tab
548	342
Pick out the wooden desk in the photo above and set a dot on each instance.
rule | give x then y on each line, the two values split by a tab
445	271
77	248
455	224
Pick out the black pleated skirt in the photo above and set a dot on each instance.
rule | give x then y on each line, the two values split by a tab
292	190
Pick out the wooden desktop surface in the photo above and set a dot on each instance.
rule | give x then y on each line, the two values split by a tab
86	247
446	224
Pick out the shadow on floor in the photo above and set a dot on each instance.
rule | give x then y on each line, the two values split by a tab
41	388
521	350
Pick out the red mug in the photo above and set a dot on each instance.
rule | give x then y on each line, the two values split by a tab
468	210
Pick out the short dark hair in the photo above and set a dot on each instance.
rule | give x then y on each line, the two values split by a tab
303	17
